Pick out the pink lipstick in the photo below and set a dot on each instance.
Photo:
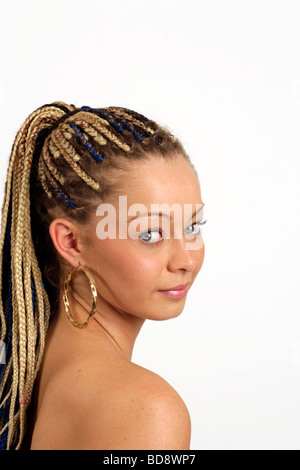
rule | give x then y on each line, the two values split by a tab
177	292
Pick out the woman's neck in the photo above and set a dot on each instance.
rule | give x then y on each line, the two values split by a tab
120	328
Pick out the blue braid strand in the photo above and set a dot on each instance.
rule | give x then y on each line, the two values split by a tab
3	439
120	124
86	108
109	117
106	116
131	129
5	407
138	115
57	190
86	143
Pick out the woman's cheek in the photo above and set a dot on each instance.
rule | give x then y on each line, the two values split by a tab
140	272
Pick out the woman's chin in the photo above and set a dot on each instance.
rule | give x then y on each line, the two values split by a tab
167	312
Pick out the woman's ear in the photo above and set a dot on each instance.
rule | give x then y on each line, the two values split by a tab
65	237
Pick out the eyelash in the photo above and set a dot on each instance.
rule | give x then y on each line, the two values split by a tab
198	223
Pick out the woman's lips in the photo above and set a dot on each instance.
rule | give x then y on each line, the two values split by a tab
177	292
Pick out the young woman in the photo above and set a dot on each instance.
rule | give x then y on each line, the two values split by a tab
78	285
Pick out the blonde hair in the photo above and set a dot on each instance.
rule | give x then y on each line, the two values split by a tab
58	148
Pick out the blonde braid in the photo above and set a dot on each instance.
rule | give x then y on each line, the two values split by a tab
51	167
70	155
129	117
87	125
23	361
102	129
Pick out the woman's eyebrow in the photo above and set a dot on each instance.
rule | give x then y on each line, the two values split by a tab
145	214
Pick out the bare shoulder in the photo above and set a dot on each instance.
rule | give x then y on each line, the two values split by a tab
123	406
148	414
132	408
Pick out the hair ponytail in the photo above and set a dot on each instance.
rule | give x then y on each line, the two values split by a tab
24	305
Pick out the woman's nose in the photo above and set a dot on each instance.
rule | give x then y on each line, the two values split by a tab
181	256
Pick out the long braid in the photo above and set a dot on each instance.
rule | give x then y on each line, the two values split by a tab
20	322
58	165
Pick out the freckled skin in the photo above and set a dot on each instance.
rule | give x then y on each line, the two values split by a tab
87	380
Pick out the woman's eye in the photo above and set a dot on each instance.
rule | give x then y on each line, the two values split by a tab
195	228
152	237
149	238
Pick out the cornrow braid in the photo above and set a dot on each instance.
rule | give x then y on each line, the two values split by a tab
55	187
89	129
85	141
101	126
61	164
118	123
72	157
138	123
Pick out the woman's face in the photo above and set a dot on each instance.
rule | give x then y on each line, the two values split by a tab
130	272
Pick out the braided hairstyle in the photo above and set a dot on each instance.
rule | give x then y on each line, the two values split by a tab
60	165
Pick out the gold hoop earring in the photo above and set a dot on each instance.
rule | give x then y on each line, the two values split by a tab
66	299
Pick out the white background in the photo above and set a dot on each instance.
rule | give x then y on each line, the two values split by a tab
224	76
